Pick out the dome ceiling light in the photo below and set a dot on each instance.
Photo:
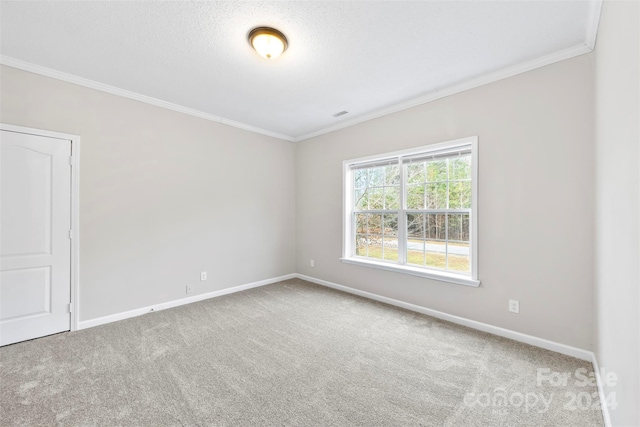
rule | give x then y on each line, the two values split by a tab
268	42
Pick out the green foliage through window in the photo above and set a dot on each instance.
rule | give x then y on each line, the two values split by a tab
436	212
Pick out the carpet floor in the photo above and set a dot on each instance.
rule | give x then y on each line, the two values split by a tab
292	353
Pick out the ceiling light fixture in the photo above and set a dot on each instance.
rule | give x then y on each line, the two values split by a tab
268	42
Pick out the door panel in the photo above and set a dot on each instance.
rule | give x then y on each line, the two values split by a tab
35	249
26	215
25	292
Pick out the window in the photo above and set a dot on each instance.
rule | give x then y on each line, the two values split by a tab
415	211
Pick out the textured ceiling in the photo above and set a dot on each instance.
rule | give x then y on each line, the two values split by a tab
362	57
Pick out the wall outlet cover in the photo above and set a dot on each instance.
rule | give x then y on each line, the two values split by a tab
514	306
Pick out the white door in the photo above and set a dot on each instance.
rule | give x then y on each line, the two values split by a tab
35	246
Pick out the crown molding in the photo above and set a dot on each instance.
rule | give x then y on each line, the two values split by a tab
80	81
494	76
581	49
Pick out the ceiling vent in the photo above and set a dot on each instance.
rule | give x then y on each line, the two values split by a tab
341	113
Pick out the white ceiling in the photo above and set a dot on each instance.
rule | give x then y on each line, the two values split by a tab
368	58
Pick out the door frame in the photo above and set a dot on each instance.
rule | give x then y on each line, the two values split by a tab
75	210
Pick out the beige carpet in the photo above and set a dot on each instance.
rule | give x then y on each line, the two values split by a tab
292	353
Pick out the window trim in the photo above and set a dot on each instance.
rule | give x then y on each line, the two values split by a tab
347	209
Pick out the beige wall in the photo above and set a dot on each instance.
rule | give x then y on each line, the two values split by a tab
166	195
163	195
617	326
536	198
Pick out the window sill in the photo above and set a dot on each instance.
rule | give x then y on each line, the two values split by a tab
414	271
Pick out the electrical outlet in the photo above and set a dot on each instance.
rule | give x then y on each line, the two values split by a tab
514	306
312	263
188	289
203	275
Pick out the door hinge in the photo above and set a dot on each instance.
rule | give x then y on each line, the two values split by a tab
70	234
70	308
70	160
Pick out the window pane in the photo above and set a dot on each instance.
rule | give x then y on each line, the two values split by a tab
376	177
460	195
391	225
375	224
437	171
436	246
376	198
361	245
392	197
415	252
459	227
360	178
415	196
361	199
458	256
436	259
391	249
457	251
361	223
375	247
460	167
392	175
435	227
466	234
436	197
415	226
455	226
416	173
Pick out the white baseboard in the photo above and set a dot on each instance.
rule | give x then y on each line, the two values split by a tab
578	353
175	303
495	330
601	392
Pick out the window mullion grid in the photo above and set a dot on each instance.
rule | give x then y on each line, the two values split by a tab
446	241
383	217
424	218
367	239
402	216
354	215
354	233
438	211
403	212
382	224
351	201
446	223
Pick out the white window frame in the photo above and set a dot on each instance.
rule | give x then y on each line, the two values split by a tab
347	223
